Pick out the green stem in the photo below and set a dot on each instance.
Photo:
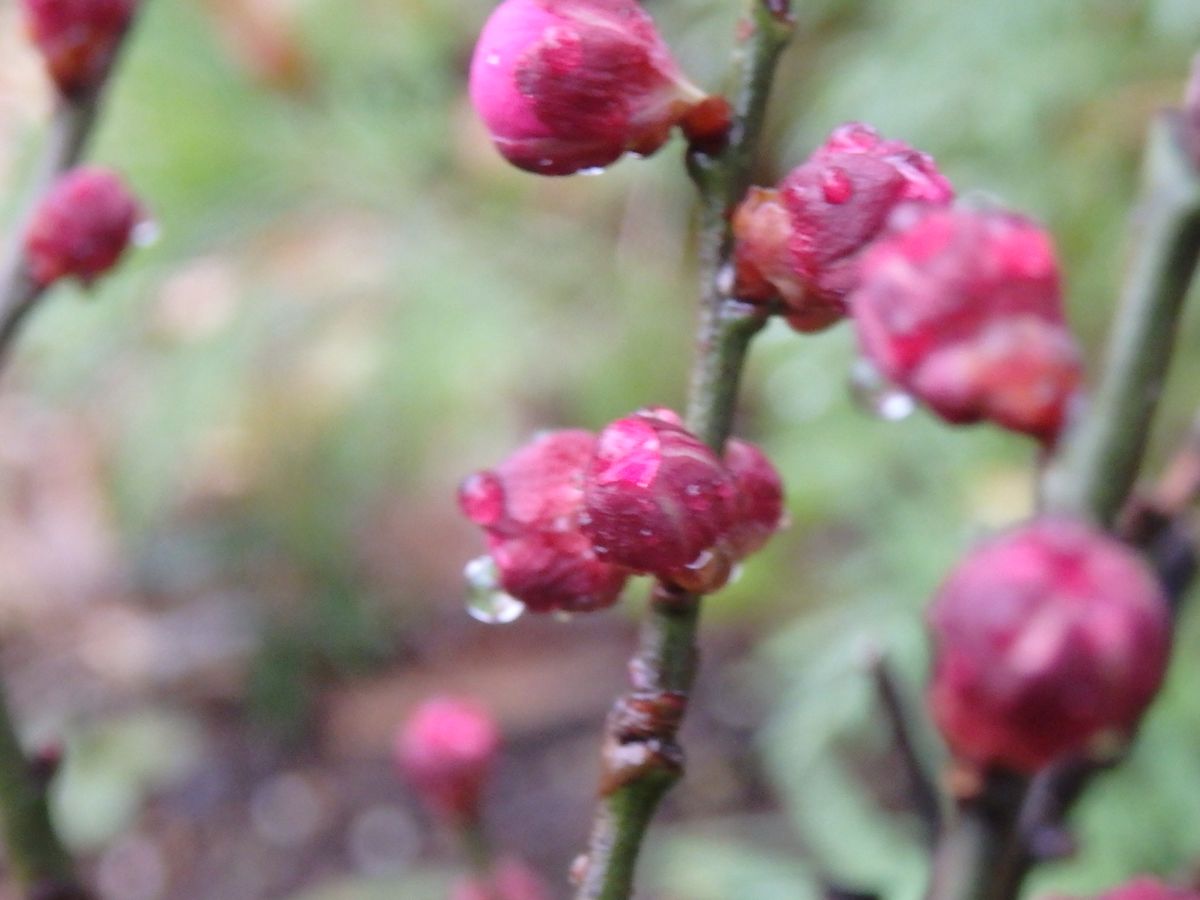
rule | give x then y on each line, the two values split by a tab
642	757
1096	470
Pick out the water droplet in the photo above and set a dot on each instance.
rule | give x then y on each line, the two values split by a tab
492	59
836	185
561	615
145	233
692	490
585	518
545	162
486	602
645	532
736	573
591	170
726	279
878	396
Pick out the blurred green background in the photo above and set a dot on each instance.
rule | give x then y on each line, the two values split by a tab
229	553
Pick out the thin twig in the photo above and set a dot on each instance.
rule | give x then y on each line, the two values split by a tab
642	758
986	851
921	785
35	852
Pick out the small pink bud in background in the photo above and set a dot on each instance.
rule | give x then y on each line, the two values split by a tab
77	38
529	507
655	497
802	242
566	85
1046	640
963	309
510	879
445	751
759	493
81	227
1145	888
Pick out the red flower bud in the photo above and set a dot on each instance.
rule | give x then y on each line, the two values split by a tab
510	879
565	85
655	497
530	506
963	309
802	242
759	497
81	227
445	750
1146	888
1047	639
78	38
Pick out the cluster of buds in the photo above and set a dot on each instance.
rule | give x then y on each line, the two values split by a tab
1049	641
78	39
800	243
81	227
570	516
446	750
963	309
570	85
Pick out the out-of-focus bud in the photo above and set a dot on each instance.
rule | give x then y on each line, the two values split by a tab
445	751
1144	888
529	507
963	309
510	879
655	497
1048	641
759	491
81	227
77	38
802	241
568	85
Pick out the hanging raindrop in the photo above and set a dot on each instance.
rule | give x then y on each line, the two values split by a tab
486	602
876	395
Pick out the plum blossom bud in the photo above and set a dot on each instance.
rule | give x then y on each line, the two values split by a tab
759	492
963	309
510	879
445	751
1048	641
801	242
566	85
1146	888
655	497
77	38
529	507
81	227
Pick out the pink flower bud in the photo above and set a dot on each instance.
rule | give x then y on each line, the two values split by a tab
1047	641
802	242
963	309
81	227
565	85
529	507
510	879
77	38
655	497
759	492
1147	888
445	751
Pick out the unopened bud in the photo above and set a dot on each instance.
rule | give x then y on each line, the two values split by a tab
963	310
81	227
568	85
78	38
802	241
1048	641
445	751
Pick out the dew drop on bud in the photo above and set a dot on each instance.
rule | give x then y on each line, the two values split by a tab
726	279
486	602
876	395
561	615
735	574
145	233
592	170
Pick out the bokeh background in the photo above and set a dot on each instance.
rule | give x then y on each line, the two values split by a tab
230	560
